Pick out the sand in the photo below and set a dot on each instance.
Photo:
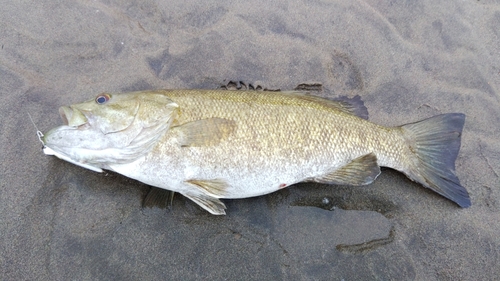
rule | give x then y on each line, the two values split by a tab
407	60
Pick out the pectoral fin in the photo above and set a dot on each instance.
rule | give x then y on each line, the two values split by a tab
216	187
360	171
205	132
209	203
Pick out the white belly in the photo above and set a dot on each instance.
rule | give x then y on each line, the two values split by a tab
243	179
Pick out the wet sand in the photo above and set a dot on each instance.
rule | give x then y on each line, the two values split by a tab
408	61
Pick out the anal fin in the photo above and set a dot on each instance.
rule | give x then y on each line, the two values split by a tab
360	171
209	203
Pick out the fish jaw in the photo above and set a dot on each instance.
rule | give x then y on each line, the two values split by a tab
55	143
49	151
90	148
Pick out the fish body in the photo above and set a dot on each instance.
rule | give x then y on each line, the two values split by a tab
212	144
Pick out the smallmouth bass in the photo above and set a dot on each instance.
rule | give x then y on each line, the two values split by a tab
213	144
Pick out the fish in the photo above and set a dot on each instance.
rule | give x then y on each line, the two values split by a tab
210	145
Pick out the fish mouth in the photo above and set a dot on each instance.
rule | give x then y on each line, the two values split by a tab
64	112
72	117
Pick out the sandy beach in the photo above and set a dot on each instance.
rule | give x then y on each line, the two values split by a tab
407	60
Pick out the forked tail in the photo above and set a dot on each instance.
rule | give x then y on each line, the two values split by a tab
435	142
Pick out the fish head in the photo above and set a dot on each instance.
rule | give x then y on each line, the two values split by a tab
110	129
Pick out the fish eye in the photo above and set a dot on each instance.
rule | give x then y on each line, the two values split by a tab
102	98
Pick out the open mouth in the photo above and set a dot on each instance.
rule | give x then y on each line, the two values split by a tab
64	112
72	117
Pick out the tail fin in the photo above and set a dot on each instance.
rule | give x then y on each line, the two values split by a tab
436	142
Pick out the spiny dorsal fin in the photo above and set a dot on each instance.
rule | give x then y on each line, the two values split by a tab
360	171
209	203
206	132
354	106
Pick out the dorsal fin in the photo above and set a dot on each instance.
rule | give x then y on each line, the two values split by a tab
354	106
